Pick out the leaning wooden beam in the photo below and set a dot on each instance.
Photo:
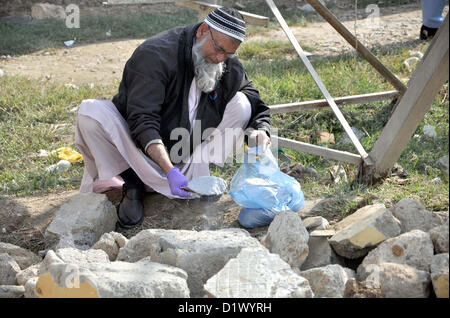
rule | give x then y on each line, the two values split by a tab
327	153
321	103
319	82
360	48
428	78
205	8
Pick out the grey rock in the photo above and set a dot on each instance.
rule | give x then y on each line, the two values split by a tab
414	248
111	243
328	281
24	275
315	223
439	236
288	237
429	131
396	280
30	288
256	273
23	257
320	254
443	163
360	232
201	254
11	291
8	270
81	221
414	216
439	275
71	267
300	172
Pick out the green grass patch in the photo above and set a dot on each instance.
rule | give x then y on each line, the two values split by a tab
17	39
30	111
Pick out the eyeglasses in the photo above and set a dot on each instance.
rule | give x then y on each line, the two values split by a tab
219	49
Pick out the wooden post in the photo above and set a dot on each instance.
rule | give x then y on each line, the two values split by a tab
322	103
428	78
318	81
360	48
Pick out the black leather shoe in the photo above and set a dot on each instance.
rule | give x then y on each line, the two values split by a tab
427	33
130	210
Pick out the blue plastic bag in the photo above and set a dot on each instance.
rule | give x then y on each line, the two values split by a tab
259	184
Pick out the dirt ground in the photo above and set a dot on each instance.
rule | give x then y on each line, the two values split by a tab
23	220
102	63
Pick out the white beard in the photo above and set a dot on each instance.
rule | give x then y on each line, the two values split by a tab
206	74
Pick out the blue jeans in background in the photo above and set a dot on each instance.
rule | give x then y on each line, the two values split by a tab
432	12
251	218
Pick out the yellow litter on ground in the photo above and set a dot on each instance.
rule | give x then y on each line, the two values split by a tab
67	153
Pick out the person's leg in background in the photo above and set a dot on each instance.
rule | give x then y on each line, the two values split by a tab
432	17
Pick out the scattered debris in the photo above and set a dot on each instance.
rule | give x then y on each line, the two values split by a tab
346	139
2	73
70	85
61	166
429	131
70	42
410	63
338	174
416	54
325	137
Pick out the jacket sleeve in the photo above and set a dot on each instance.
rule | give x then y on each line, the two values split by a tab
146	81
260	118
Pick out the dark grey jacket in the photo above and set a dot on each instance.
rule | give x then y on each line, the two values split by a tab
153	93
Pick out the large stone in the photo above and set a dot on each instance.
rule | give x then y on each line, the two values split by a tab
396	280
201	254
256	273
47	11
8	270
360	232
355	289
23	257
11	291
328	281
81	221
320	253
414	216
24	275
288	237
110	243
89	274
439	275
439	236
414	248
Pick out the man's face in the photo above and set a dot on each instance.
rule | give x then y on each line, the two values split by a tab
219	47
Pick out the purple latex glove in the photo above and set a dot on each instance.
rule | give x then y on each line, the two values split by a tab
176	180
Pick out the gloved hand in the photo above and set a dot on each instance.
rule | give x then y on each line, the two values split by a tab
176	181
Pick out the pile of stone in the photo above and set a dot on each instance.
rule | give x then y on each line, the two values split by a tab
375	252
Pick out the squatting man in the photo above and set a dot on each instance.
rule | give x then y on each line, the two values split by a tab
183	79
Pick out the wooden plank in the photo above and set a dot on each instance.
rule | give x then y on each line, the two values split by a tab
360	48
321	103
319	82
205	8
322	233
428	78
318	150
